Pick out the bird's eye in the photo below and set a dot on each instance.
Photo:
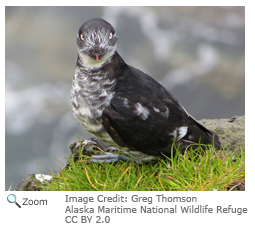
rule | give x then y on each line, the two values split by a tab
110	35
81	36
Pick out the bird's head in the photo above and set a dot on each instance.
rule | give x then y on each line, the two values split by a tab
96	42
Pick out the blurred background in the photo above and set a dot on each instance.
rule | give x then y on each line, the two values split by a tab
198	53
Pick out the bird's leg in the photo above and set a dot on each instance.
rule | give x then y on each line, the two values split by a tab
104	146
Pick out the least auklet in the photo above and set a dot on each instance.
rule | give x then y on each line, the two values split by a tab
123	106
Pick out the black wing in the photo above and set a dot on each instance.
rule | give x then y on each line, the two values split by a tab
144	116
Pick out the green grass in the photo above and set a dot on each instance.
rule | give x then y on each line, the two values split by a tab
196	170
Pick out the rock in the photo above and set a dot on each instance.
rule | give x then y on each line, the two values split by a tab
231	131
32	182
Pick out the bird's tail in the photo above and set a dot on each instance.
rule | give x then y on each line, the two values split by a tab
198	133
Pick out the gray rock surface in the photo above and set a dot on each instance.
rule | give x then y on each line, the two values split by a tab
29	183
231	131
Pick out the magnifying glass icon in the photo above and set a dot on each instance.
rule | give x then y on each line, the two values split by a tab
12	199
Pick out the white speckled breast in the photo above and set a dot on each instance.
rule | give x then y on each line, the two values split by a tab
90	94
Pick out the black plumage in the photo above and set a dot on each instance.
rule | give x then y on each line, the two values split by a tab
125	107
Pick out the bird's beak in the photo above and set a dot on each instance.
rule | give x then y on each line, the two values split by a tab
98	53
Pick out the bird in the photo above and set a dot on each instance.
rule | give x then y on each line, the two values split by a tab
125	108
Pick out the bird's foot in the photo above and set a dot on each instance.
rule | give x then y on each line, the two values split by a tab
108	157
96	151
